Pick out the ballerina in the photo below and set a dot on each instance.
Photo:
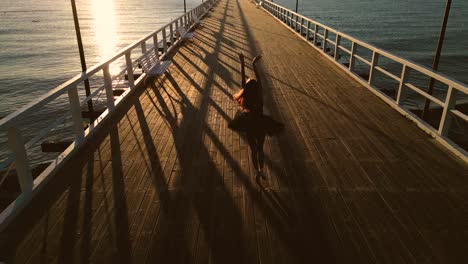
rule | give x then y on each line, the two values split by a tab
250	118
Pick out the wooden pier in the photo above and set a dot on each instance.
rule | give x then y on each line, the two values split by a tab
165	181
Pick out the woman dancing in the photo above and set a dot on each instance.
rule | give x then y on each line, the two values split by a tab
250	118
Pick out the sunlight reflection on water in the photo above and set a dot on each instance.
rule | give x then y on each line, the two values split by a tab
106	28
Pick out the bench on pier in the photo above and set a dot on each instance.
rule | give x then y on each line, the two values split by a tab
183	34
151	65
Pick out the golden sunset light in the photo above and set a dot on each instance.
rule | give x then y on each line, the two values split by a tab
106	24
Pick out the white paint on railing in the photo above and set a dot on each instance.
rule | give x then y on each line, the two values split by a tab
129	65
108	87
389	74
75	110
375	60
352	57
337	47
401	86
164	39
315	34
23	170
143	47
171	35
449	106
325	39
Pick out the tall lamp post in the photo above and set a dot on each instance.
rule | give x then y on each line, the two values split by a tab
82	57
185	7
435	64
297	4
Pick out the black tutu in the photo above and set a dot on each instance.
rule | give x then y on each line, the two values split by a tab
255	123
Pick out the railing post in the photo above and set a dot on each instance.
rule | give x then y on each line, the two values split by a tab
302	24
164	39
325	37
171	34
351	56
75	110
297	22
308	30
108	87
143	47
375	61
337	46
128	62
401	86
23	171
315	34
446	118
156	44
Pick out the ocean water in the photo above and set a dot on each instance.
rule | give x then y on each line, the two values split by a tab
407	28
38	49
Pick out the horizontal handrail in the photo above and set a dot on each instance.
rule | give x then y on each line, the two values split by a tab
460	115
428	96
389	74
344	49
362	59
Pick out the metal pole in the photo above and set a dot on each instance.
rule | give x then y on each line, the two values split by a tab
435	64
297	3
82	57
185	7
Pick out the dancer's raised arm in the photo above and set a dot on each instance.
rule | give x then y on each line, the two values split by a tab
241	57
257	74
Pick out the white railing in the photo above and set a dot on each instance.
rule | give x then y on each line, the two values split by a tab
317	35
163	38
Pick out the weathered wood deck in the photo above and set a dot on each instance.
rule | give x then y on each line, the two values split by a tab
350	181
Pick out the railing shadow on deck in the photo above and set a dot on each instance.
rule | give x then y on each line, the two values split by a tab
67	187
